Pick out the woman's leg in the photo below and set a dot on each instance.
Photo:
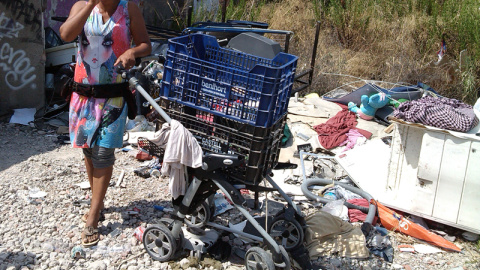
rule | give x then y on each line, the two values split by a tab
89	166
101	171
101	180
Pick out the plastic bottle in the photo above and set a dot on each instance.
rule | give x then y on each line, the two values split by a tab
330	195
155	172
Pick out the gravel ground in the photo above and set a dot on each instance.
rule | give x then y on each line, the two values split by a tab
39	233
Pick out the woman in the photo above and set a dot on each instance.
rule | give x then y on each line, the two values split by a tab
106	29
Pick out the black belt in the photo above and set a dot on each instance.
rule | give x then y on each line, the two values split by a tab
101	90
108	91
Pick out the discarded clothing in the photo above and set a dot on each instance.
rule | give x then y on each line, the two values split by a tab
445	113
353	137
327	234
334	132
356	215
181	148
377	242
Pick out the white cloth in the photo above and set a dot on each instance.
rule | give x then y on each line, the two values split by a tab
181	149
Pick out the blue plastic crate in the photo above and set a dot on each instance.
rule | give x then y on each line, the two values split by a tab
243	87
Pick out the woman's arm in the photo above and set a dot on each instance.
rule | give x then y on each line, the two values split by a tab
79	13
143	47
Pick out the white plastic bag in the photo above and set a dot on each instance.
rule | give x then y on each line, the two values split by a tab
335	208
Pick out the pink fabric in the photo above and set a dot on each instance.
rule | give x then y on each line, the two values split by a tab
352	136
357	215
334	132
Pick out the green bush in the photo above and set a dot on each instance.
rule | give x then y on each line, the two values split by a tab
369	27
457	21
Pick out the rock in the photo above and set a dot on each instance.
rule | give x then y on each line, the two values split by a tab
336	262
49	228
184	262
4	256
97	265
133	241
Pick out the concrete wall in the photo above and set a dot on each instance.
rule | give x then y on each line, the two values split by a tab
22	55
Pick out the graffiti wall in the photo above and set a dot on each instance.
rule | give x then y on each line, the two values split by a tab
22	56
22	53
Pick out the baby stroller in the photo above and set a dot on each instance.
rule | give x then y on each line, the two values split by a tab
237	155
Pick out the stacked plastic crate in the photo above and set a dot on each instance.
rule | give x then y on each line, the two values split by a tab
232	102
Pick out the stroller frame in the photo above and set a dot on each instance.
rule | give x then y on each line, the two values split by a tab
167	237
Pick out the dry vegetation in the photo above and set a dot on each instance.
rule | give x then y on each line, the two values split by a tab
373	40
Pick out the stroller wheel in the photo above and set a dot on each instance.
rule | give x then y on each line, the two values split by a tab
287	233
159	242
286	258
258	259
200	217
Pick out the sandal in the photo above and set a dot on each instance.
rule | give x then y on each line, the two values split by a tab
87	232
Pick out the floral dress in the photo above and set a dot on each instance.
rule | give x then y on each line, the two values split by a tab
100	121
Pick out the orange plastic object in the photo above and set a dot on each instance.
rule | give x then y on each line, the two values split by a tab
396	222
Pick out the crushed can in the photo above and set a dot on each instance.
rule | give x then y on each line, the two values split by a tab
77	253
138	233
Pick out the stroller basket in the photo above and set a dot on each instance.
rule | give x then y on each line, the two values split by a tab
228	83
260	147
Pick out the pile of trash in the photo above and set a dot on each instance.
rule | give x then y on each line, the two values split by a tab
312	173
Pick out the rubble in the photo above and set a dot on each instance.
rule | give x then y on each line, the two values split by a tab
40	233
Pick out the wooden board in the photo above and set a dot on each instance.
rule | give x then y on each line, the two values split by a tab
405	189
428	170
435	175
451	178
469	214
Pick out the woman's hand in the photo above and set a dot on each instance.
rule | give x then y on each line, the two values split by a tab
127	59
79	13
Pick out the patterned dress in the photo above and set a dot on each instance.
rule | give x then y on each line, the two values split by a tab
100	121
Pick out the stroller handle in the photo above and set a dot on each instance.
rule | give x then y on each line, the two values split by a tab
134	82
129	75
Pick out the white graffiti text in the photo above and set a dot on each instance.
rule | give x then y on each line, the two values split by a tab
8	27
17	67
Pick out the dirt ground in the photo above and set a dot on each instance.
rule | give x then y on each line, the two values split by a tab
39	233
